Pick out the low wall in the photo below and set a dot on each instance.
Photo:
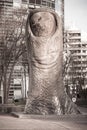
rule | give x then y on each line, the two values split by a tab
8	108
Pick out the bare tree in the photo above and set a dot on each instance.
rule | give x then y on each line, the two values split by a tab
13	47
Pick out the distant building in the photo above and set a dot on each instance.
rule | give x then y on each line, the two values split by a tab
34	3
75	53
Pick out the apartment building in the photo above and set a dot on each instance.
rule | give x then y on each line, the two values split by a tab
76	63
34	3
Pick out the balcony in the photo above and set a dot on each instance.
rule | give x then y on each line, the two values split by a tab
76	48
42	3
79	54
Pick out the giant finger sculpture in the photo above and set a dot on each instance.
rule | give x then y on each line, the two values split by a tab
44	47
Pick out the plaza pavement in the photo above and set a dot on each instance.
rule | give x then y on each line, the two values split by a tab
75	122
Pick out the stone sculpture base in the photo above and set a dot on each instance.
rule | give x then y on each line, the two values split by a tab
49	107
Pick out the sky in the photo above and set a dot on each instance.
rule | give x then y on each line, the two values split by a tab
76	16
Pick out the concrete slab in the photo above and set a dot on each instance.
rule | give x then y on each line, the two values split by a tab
11	123
43	122
50	117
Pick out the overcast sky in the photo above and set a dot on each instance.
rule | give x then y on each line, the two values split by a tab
76	15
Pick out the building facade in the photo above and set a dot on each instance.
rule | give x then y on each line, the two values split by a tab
34	3
76	63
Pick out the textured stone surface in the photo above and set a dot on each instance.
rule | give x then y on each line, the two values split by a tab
45	46
40	122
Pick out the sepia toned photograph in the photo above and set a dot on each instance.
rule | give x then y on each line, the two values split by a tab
43	65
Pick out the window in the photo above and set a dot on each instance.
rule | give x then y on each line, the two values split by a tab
24	1
79	57
79	45
38	1
78	51
84	51
44	2
48	4
53	5
83	56
17	88
31	1
11	94
16	85
83	45
16	3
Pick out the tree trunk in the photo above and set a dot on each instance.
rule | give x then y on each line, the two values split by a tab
45	47
4	89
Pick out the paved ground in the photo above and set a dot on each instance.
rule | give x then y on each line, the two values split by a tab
8	122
